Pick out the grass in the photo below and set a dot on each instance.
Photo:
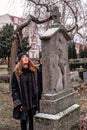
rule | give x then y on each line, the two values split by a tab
6	104
6	107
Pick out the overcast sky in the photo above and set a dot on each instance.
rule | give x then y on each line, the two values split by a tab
13	7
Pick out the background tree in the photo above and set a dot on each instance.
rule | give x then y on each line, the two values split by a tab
6	34
24	47
72	51
85	52
81	52
5	41
73	17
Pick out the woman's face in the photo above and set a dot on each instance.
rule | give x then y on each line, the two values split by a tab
25	59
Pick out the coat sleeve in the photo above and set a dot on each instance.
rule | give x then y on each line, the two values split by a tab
15	91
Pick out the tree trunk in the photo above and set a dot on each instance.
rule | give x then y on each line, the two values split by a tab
14	49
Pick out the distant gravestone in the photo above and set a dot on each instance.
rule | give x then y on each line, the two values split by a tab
58	110
74	76
85	77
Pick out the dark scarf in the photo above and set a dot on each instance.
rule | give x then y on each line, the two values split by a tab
28	87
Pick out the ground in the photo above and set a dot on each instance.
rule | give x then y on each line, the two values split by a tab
80	89
6	107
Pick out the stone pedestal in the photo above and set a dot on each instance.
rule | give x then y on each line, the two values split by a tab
58	112
57	102
64	120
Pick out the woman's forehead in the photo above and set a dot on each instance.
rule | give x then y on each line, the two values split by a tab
25	56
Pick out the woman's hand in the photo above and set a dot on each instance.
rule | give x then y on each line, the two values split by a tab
21	108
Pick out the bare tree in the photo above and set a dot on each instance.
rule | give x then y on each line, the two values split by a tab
73	15
17	37
38	11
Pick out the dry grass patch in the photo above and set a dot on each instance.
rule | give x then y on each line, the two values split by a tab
6	106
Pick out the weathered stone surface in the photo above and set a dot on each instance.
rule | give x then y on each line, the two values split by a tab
55	103
61	121
55	61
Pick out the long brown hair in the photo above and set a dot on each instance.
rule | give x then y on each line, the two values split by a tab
19	66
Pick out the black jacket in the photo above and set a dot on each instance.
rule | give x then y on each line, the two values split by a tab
24	90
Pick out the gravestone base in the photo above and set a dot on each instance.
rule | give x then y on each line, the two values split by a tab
52	103
65	120
58	112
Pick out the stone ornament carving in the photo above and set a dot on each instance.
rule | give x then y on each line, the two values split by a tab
55	14
59	62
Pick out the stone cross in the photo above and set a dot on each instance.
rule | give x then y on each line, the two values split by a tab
55	14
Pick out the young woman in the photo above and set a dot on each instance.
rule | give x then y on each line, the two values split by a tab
24	91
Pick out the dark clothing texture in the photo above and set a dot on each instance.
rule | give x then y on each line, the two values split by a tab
39	81
24	93
28	88
23	123
39	78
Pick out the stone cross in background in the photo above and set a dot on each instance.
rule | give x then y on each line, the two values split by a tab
55	14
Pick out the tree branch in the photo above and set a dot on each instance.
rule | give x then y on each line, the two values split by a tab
40	4
75	16
31	18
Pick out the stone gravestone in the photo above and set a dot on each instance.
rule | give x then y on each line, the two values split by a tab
85	76
58	110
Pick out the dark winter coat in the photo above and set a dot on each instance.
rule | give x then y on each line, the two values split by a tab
39	80
24	90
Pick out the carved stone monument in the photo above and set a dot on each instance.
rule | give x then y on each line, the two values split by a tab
58	110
